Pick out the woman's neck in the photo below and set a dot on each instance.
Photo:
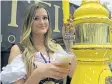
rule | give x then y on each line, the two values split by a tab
38	41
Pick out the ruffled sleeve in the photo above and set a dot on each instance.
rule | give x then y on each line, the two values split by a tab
13	71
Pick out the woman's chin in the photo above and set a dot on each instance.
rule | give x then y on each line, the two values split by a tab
42	32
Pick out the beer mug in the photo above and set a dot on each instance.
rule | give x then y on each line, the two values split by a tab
63	58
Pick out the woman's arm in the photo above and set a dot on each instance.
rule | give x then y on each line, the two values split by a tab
33	79
15	51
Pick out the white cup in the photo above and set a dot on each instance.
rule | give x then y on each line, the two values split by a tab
63	58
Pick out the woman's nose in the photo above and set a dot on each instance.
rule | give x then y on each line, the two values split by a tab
41	21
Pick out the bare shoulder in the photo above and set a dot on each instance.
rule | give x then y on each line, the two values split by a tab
15	51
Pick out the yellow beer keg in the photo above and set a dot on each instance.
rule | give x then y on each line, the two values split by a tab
92	45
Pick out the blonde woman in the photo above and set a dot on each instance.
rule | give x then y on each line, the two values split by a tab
30	60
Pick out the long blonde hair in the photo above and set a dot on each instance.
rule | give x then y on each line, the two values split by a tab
25	40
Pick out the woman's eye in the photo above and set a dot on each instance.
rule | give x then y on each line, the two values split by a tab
36	18
45	18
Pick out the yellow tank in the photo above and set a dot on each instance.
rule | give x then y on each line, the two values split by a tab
92	67
92	46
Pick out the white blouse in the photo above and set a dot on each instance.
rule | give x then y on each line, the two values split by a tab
16	69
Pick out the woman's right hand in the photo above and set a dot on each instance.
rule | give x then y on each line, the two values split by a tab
52	70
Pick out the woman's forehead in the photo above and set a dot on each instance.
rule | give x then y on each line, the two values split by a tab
40	12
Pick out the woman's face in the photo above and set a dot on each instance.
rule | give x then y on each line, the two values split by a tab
41	23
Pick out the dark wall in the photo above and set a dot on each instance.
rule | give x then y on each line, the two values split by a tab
11	33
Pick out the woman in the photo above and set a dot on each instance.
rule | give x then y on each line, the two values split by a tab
30	61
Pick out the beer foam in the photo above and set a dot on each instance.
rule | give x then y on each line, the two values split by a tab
62	57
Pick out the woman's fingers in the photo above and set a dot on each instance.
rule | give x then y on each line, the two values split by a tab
57	72
61	68
58	75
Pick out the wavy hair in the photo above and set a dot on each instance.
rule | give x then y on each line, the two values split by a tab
25	40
